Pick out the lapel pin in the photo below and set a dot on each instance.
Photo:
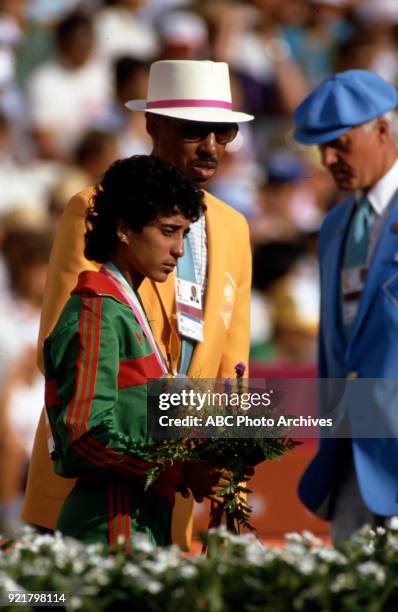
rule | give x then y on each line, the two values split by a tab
394	227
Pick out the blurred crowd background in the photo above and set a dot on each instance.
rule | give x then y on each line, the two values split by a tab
66	69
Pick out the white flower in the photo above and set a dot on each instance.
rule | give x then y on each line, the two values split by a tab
247	538
307	535
306	565
44	539
342	582
158	566
258	554
292	536
8	584
294	550
221	532
392	541
188	571
131	570
168	556
392	523
75	603
141	542
27	530
102	579
74	548
368	548
154	586
374	570
94	549
78	566
331	555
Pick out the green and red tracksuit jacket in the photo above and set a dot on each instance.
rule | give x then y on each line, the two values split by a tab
97	362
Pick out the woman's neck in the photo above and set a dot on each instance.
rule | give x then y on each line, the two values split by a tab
132	277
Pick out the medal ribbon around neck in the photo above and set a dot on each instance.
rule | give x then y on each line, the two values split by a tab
111	272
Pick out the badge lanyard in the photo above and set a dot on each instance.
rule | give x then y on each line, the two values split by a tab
188	296
111	272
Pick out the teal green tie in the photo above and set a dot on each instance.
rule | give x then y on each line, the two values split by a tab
356	252
357	245
186	270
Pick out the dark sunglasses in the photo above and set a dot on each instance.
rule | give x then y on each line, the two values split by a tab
196	131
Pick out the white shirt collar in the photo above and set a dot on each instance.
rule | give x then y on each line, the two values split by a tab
381	194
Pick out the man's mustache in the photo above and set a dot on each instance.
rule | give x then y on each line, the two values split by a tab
206	158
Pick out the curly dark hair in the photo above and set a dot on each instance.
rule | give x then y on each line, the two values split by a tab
137	190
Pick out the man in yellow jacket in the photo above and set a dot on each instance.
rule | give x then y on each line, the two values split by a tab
190	119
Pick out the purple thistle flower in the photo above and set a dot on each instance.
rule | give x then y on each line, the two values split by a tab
240	369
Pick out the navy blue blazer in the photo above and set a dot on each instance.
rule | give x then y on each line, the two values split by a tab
372	353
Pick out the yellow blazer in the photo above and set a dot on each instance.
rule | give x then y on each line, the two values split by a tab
226	332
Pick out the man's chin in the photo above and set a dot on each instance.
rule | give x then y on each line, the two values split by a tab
346	185
201	176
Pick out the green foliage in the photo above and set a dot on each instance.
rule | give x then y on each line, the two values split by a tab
239	573
232	454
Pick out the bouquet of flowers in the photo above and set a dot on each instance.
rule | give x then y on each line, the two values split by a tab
231	454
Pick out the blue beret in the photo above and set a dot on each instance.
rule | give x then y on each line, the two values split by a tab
341	102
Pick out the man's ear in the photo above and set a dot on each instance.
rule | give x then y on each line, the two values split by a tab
152	125
384	128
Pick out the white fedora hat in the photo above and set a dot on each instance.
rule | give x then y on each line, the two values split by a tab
191	90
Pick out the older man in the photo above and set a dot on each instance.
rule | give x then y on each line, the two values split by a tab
190	119
354	480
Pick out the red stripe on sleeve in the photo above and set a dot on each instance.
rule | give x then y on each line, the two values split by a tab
134	372
134	462
86	366
106	460
69	416
82	370
94	364
51	396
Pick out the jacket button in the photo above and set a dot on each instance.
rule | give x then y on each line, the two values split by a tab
352	375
